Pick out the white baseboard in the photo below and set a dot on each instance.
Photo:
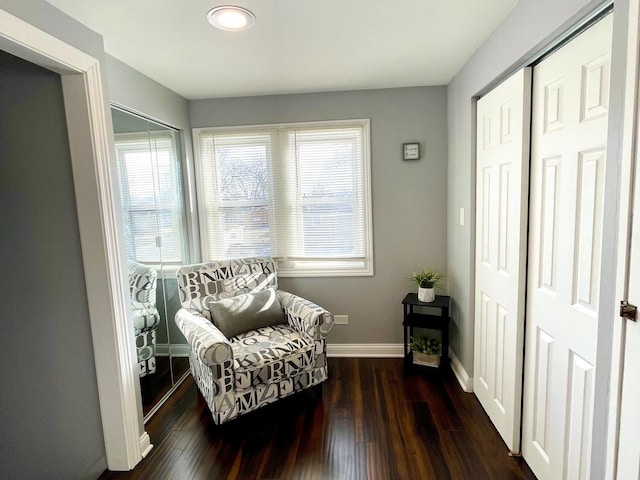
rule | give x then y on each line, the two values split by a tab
94	472
394	350
353	350
177	350
362	350
145	444
365	350
465	381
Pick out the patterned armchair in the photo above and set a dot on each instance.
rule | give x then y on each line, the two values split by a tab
142	286
239	374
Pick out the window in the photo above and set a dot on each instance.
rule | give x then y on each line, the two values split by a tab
297	192
151	196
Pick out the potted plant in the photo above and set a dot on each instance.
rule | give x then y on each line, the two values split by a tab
427	281
426	351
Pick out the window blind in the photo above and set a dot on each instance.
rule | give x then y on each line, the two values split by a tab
151	197
296	192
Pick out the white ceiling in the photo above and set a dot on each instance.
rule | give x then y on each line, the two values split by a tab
295	46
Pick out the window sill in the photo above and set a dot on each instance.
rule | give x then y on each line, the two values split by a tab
289	269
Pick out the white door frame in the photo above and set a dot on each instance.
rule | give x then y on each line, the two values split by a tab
99	219
629	152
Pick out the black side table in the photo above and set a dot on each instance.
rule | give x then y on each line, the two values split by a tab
418	319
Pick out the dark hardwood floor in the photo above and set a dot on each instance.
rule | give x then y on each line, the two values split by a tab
372	421
156	385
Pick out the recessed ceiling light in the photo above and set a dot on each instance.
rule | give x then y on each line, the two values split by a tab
231	18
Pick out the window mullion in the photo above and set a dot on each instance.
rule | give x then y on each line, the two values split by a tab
298	214
283	194
214	206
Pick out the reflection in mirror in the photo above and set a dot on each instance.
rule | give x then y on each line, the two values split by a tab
151	193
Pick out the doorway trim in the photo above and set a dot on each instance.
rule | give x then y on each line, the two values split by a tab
100	225
626	175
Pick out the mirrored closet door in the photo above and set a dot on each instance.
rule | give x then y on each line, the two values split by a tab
153	209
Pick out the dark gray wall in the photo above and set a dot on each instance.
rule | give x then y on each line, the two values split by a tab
409	198
51	426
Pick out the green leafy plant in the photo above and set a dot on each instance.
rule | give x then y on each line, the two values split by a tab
428	279
426	345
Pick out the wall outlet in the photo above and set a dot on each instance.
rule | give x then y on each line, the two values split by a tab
341	319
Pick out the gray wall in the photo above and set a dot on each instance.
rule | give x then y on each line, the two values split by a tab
51	426
132	89
168	310
529	26
48	18
409	212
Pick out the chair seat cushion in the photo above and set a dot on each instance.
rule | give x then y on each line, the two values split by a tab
269	354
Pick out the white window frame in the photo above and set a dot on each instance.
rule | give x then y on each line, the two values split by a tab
293	267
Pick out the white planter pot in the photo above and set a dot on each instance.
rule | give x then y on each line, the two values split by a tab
426	294
426	360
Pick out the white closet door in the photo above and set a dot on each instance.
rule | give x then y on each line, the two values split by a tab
503	121
569	130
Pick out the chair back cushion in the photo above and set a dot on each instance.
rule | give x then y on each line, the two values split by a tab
198	284
246	312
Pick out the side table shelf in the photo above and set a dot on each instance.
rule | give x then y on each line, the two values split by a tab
417	318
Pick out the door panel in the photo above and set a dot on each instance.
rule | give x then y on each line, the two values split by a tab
502	152
153	214
569	129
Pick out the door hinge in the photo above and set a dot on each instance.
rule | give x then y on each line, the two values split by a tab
628	311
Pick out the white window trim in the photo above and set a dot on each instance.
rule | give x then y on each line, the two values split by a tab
342	268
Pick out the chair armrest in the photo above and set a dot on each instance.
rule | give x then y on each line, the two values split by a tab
211	362
145	320
306	316
207	343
